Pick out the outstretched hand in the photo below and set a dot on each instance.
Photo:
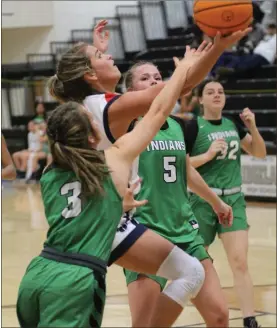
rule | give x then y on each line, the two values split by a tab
193	55
128	201
100	36
221	42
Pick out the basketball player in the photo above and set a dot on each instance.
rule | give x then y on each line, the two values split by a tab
82	193
8	171
84	74
217	142
164	167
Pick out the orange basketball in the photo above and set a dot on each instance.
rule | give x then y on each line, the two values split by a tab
226	16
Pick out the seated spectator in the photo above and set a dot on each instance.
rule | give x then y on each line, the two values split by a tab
26	161
241	66
269	9
247	44
40	116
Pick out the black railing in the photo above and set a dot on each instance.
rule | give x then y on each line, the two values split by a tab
58	48
80	35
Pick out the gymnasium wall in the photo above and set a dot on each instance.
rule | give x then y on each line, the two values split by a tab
31	25
21	14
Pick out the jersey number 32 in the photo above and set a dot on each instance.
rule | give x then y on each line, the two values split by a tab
231	150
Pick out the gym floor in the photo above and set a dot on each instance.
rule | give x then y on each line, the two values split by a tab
23	233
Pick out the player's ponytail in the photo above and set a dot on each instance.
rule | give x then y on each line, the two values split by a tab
68	130
56	90
68	83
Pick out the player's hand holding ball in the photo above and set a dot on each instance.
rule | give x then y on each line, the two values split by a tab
248	118
226	20
225	42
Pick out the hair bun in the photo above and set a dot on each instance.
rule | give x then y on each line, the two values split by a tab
56	88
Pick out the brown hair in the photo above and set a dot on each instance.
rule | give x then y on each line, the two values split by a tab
200	90
201	86
68	83
68	129
128	76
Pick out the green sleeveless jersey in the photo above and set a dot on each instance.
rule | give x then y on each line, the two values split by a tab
162	167
224	170
79	224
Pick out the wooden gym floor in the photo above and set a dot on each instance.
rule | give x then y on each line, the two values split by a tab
23	233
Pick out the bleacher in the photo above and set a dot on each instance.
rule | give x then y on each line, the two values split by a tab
151	30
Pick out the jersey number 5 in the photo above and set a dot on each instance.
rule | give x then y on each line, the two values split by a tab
170	174
74	205
232	154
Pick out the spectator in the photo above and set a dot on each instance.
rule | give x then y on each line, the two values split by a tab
240	66
269	9
33	152
45	145
40	116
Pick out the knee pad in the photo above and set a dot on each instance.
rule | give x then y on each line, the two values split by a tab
187	275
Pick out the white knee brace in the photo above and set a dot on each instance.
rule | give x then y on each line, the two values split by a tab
187	275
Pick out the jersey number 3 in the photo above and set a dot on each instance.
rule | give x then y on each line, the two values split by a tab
170	174
74	204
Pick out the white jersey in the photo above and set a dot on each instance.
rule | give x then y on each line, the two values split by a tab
99	105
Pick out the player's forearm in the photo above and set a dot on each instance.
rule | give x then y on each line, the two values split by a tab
199	160
198	186
258	148
202	67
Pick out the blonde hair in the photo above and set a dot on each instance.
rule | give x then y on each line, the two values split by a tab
128	76
68	83
68	129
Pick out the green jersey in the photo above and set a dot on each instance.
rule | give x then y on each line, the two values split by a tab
162	167
224	170
79	224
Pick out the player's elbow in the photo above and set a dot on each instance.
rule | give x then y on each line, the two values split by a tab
260	154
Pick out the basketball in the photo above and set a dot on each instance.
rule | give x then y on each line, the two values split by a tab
225	16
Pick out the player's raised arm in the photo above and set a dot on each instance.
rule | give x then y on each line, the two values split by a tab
136	103
133	143
208	59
